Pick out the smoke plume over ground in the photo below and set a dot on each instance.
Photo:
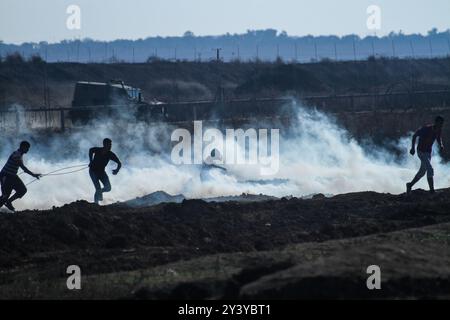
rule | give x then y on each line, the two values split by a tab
316	156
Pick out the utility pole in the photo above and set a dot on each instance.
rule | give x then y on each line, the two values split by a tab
373	49
296	52
78	50
45	87
412	49
217	53
354	49
431	48
393	49
219	93
175	82
46	93
448	42
335	52
315	51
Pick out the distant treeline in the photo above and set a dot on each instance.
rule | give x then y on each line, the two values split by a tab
262	45
31	82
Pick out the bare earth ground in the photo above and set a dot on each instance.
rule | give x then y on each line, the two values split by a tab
276	249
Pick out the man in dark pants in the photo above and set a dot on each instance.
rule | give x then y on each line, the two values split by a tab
427	135
98	159
10	180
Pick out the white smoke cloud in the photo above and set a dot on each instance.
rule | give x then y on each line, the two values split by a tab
317	156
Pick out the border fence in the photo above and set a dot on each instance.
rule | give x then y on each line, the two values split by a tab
252	47
58	118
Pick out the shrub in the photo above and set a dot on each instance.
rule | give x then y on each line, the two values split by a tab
14	58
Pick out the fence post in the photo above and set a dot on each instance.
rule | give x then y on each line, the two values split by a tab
63	125
17	120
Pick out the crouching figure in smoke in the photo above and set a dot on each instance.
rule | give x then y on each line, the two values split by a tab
427	135
10	180
98	160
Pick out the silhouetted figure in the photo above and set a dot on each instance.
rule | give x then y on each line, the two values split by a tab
427	135
10	180
98	159
213	161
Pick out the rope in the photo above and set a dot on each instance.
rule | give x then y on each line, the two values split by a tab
71	167
61	174
54	173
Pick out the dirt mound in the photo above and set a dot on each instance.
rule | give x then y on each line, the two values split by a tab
159	197
217	226
408	269
245	197
154	199
113	238
413	263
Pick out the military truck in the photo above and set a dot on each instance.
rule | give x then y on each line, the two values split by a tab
98	100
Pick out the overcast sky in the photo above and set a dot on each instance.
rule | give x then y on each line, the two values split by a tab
45	20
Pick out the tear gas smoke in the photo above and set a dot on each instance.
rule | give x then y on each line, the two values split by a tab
316	156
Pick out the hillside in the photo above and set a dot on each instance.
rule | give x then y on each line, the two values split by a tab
266	45
24	82
287	248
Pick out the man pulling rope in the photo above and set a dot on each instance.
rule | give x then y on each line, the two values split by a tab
10	180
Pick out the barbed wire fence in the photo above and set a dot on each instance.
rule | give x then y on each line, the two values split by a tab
293	52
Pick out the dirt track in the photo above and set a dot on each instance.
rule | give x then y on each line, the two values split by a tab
121	249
